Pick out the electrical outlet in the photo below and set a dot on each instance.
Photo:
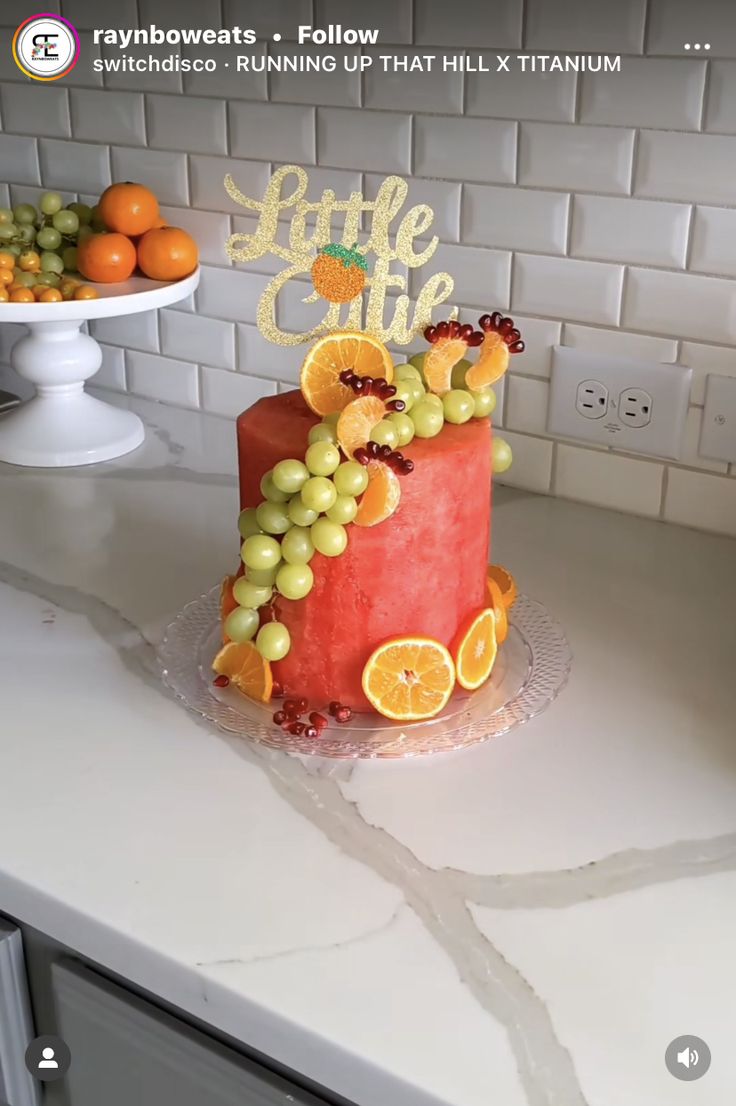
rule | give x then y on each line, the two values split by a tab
718	432
643	409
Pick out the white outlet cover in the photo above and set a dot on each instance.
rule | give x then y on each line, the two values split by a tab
668	386
718	432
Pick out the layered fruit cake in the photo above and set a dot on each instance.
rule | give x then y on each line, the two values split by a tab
364	583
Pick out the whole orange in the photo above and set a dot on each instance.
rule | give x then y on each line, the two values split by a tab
167	253
128	208
106	258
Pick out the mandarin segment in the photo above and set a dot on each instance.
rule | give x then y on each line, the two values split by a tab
382	496
246	668
356	422
409	679
439	362
491	364
474	649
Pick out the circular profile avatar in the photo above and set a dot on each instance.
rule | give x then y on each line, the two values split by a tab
46	47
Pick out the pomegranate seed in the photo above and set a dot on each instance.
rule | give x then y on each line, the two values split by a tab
476	338
334	707
358	386
430	334
384	451
311	731
485	322
362	456
344	714
296	727
221	681
277	691
302	705
389	391
454	328
465	331
373	448
279	717
398	457
290	707
346	376
406	467
517	347
443	330
396	405
318	720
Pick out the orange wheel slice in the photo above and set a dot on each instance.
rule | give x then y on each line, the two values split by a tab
499	609
474	649
506	583
228	602
320	376
245	667
492	363
409	678
381	498
356	422
439	362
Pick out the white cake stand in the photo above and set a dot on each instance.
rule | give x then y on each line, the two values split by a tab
62	425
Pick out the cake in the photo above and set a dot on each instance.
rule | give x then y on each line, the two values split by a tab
364	583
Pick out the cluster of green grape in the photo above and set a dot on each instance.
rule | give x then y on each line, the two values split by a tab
54	231
306	508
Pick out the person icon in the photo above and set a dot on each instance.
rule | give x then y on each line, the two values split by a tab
48	1059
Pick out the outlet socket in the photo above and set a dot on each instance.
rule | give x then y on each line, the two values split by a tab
644	404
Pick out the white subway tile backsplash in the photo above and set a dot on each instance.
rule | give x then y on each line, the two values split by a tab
30	110
532	467
704	359
208	173
675	22
108	116
648	92
196	338
74	165
227	81
138	331
681	304
339	86
573	25
376	141
111	373
619	344
562	288
228	393
418	90
87	13
19	159
720	112
163	378
553	155
539	336
630	230
519	94
29	194
465	149
163	172
178	13
714	241
261	357
526	405
230	294
280	132
609	480
392	16
292	314
190	123
150	79
22	9
466	21
284	16
210	229
691	167
482	277
515	218
442	196
702	500
84	74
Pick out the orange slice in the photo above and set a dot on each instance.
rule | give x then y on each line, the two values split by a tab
474	649
320	376
409	678
381	498
245	667
228	602
499	609
506	583
356	422
492	363
439	362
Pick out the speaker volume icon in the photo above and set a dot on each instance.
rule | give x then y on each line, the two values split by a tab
687	1057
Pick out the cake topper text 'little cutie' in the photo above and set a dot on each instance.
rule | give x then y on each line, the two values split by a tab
304	241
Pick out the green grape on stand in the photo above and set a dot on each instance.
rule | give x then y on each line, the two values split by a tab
297	547
485	403
428	419
322	432
290	476
458	406
262	577
295	581
51	280
25	214
241	625
385	433
248	523
69	257
27	234
83	212
273	518
343	510
48	238
351	478
404	427
322	458
319	493
66	222
270	491
330	538
50	203
251	595
28	280
299	513
8	231
260	551
273	641
6	216
51	263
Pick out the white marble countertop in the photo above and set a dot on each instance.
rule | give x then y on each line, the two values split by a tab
528	923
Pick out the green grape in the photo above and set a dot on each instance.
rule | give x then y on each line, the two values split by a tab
319	493
322	458
297	547
417	362
270	491
350	478
458	406
299	513
28	280
418	391
458	373
27	234
322	432
14	248
332	418
25	214
404	427
69	257
262	577
51	280
289	476
66	222
406	372
385	433
501	456
295	581
51	263
83	212
485	403
241	624
273	517
273	641
48	238
260	551
405	391
83	234
330	538
428	420
7	231
6	216
248	594
432	397
248	523
50	203
343	510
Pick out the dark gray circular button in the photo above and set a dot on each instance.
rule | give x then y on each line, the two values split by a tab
687	1057
48	1058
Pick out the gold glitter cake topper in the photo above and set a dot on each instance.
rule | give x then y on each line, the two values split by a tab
304	244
